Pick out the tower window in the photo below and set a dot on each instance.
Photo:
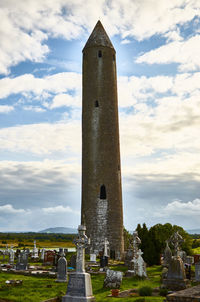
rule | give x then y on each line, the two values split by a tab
100	54
96	104
103	192
113	57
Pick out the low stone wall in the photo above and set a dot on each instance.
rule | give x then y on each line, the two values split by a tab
31	273
191	294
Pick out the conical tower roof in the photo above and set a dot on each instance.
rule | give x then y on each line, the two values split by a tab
98	37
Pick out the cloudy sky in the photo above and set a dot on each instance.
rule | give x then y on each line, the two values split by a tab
158	62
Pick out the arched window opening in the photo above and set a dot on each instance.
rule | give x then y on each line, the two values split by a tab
103	192
113	57
96	104
100	54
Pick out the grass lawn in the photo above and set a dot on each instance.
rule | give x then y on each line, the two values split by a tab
196	250
153	281
39	243
33	289
38	289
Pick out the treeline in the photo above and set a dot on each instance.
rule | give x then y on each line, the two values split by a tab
153	241
22	237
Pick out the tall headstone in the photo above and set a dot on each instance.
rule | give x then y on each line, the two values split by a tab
42	254
22	263
11	255
101	168
197	271
105	255
106	248
35	251
79	286
175	276
167	255
62	269
136	266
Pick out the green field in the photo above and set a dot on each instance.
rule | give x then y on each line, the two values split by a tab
38	289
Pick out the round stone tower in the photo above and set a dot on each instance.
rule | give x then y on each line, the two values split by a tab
101	172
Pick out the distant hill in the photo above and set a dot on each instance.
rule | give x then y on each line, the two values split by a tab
59	230
194	231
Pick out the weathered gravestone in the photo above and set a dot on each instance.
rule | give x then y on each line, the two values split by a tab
11	255
167	255
79	286
197	271
93	258
189	260
113	279
61	251
42	254
49	257
136	266
22	263
35	251
72	261
183	255
128	256
62	269
175	277
196	258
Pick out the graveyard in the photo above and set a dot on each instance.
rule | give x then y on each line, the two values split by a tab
103	261
44	274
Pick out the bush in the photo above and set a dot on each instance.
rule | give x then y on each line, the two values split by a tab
163	292
145	291
140	300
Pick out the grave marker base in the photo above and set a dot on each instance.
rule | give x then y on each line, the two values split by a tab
79	288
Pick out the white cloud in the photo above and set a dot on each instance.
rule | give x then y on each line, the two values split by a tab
42	138
59	210
164	116
173	35
27	83
65	100
178	210
39	194
125	41
28	24
6	108
183	208
9	209
185	53
24	220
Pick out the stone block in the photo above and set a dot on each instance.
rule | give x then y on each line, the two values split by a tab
79	288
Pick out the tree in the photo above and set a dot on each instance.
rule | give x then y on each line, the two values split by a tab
127	239
154	240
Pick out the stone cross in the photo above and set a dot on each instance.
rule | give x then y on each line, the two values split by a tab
81	243
136	243
35	250
106	248
11	255
6	251
176	239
